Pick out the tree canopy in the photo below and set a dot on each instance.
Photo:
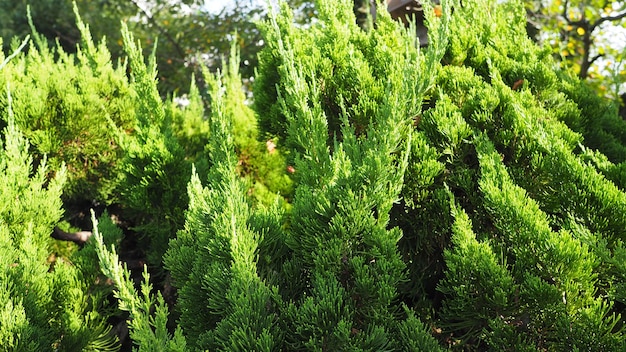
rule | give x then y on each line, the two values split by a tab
587	36
579	31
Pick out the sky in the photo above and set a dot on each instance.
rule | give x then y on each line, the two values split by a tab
214	6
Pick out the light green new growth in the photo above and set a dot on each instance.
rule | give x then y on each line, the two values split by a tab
148	330
45	306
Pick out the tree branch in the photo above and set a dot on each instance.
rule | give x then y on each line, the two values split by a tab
593	59
80	237
564	14
161	30
601	20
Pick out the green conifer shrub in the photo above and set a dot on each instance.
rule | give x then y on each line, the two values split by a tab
154	168
223	303
46	305
479	287
461	197
468	196
528	253
457	200
348	98
169	139
63	104
188	123
148	313
260	161
150	332
139	153
325	276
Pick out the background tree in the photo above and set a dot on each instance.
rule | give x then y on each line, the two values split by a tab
188	33
579	32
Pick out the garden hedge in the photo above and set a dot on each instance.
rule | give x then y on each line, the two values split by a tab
372	195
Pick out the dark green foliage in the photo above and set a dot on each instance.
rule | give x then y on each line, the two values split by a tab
547	224
600	124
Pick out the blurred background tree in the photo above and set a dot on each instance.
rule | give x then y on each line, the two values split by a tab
587	36
189	32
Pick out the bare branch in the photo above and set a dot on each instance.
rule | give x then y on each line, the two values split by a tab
80	237
615	18
581	22
565	8
593	59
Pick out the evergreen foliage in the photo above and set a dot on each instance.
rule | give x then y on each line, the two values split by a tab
597	120
348	98
261	164
479	287
169	139
81	98
498	137
329	279
62	102
524	254
154	169
224	304
148	331
46	305
375	196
